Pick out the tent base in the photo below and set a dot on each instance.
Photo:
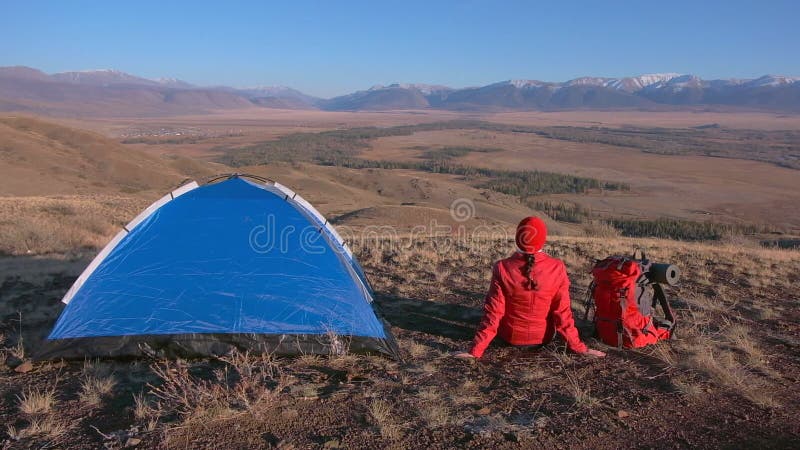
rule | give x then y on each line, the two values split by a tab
204	345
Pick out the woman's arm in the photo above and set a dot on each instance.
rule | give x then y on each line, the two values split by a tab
493	310
562	315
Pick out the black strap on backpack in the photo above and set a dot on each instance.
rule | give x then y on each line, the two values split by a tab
662	300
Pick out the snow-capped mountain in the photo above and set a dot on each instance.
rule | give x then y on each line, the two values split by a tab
101	77
643	91
24	87
525	84
626	84
175	83
772	80
633	84
424	89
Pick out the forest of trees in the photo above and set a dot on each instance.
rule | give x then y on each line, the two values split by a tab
562	211
684	230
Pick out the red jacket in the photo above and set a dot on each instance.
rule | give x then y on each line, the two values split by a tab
523	316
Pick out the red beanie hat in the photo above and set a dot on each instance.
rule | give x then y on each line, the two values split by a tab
531	234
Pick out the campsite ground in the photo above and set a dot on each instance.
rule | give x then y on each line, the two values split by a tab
726	381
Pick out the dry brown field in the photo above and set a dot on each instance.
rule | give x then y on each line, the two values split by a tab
728	379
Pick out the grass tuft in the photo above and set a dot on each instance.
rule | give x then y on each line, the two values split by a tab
34	401
380	413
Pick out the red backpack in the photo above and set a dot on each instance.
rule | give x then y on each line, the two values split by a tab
624	295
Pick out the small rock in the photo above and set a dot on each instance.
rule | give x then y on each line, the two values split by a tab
132	442
623	414
24	367
12	361
484	411
333	443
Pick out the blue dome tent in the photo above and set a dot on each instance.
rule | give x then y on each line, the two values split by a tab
239	262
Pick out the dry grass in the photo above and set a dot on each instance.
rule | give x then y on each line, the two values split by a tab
33	401
336	344
741	339
465	394
94	388
687	389
309	360
246	384
42	225
718	296
581	395
40	427
142	407
381	415
415	349
42	420
664	353
435	415
726	371
532	374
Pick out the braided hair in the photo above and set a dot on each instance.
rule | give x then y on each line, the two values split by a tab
528	269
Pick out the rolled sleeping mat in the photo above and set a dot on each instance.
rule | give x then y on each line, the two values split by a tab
664	273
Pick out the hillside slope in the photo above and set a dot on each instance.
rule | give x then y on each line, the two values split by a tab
44	158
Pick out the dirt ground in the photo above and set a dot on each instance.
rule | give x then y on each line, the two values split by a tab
728	380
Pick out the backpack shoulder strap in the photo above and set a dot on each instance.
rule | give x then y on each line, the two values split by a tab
589	302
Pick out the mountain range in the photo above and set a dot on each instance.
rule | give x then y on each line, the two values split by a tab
115	92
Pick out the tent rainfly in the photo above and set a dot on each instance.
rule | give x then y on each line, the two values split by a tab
239	262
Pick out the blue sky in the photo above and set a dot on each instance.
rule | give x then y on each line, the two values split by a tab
328	48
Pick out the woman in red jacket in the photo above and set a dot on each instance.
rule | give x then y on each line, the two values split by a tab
528	299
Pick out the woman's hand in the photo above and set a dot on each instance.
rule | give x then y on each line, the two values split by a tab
463	355
594	353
